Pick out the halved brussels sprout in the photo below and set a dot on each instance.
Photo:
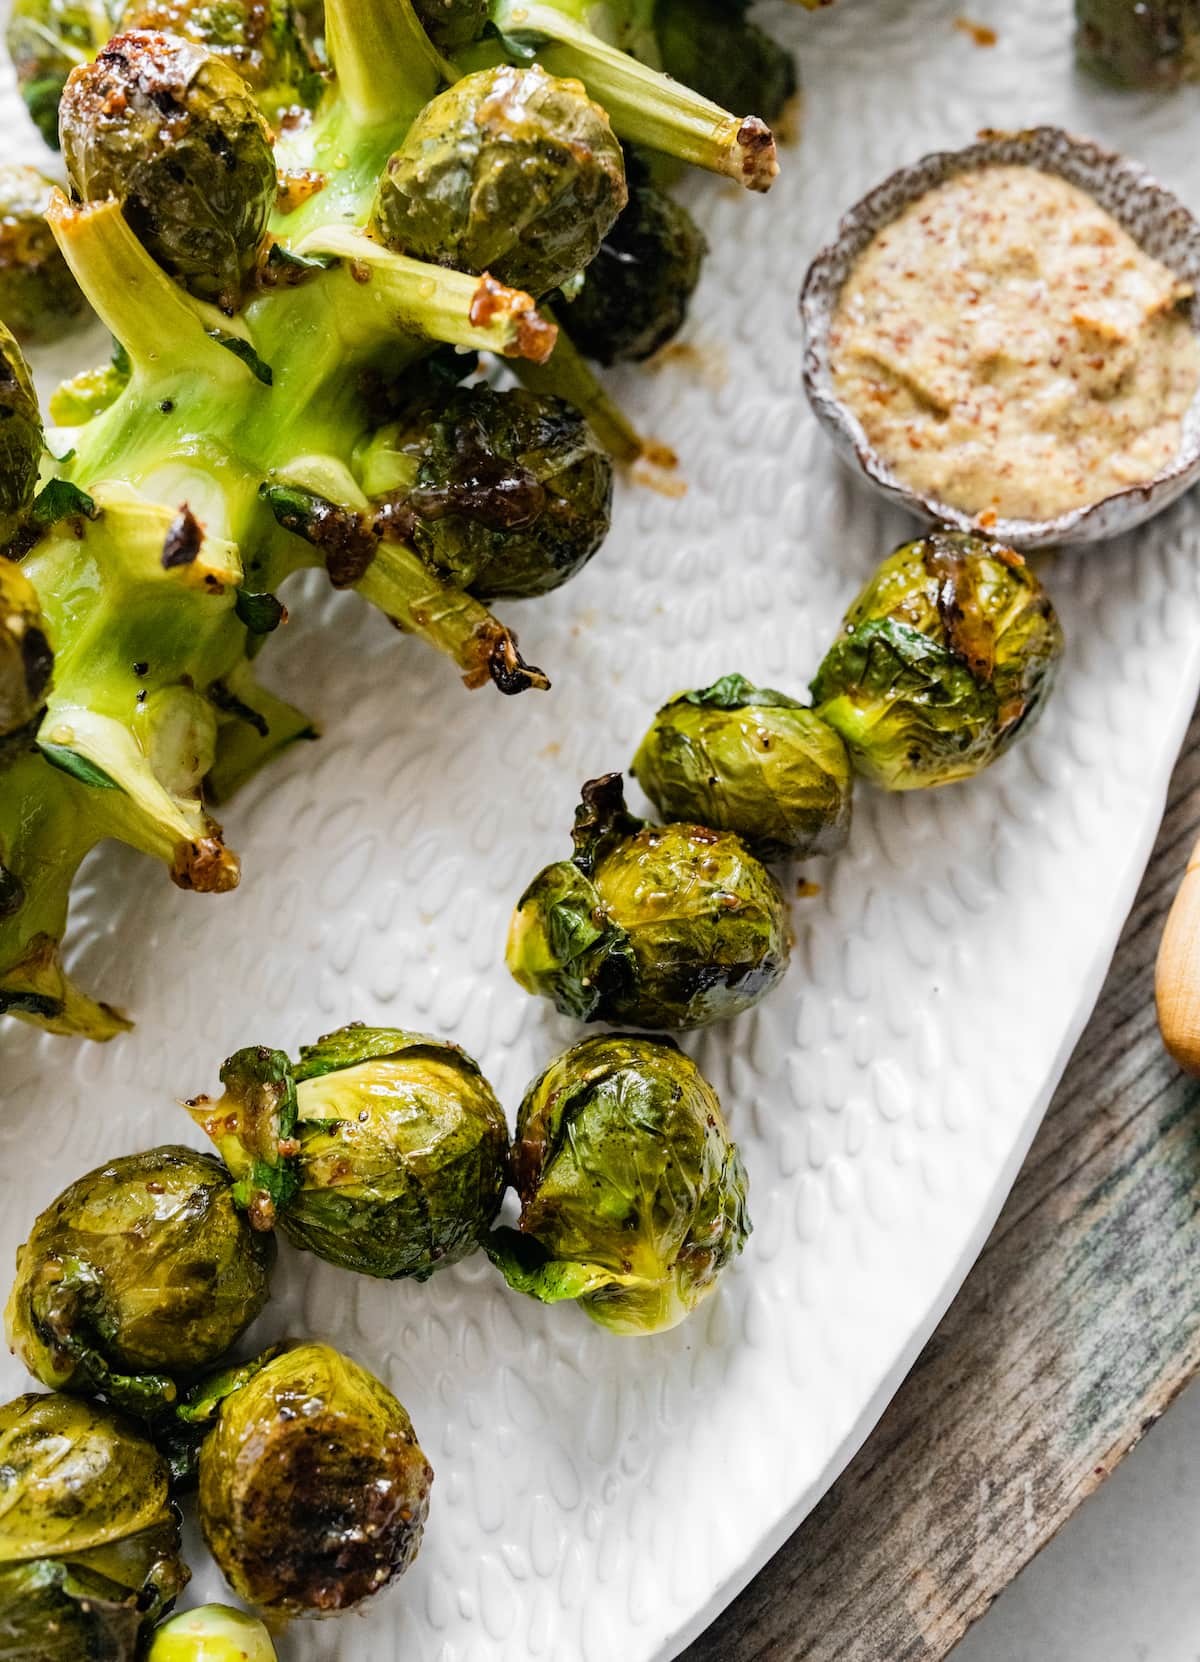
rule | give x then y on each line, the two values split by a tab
380	1151
140	1275
39	298
667	926
89	1542
259	38
510	171
173	132
212	1633
46	40
633	1195
313	1488
753	761
945	657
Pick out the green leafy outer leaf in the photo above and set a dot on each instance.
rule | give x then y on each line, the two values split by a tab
563	947
602	822
254	1127
633	1196
79	767
261	613
140	1274
59	499
297	1535
753	761
403	1153
947	654
241	348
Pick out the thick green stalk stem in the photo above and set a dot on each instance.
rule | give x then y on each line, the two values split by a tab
645	107
387	67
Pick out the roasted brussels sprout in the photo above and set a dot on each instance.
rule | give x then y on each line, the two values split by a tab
947	654
46	40
510	172
39	298
89	1542
259	38
381	1151
453	23
749	760
633	1196
173	133
26	661
506	494
20	436
1139	43
635	294
140	1274
313	1487
712	46
212	1633
670	926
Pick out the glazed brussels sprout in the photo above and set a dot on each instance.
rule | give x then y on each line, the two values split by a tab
635	294
712	46
453	23
20	436
26	661
671	926
511	172
259	38
140	1274
749	760
506	494
212	1633
89	1542
1139	43
313	1487
173	133
381	1151
46	40
39	298
633	1195
947	654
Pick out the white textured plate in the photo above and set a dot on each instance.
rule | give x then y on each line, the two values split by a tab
599	1498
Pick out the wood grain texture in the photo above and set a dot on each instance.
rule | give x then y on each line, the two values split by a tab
1076	1329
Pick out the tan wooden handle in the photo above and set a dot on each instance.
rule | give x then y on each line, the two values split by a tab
1177	973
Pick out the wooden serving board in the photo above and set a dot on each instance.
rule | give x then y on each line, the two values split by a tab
1077	1328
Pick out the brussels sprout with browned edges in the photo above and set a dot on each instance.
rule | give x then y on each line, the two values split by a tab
46	40
259	38
1139	43
453	24
380	1151
633	1195
89	1542
212	1633
635	295
753	761
39	298
511	172
20	437
945	657
506	494
712	46
140	1275
671	926
173	133
313	1488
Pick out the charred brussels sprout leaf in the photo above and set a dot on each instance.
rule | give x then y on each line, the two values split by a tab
453	23
259	38
510	494
394	1164
670	926
511	172
46	40
635	294
947	654
20	436
173	133
1139	43
212	1633
139	1275
26	661
712	46
313	1488
633	1196
39	298
749	760
89	1543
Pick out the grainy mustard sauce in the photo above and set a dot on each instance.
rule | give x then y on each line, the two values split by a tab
1009	349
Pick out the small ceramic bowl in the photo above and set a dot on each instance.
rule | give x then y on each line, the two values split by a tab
1156	219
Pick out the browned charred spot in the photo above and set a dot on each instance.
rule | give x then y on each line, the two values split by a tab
483	485
12	893
205	866
979	33
297	186
759	163
360	271
183	541
495	649
536	337
37	661
805	890
533	337
261	1212
394	520
528	1155
346	541
970	635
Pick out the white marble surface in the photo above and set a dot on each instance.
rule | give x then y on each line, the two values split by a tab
1119	1584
